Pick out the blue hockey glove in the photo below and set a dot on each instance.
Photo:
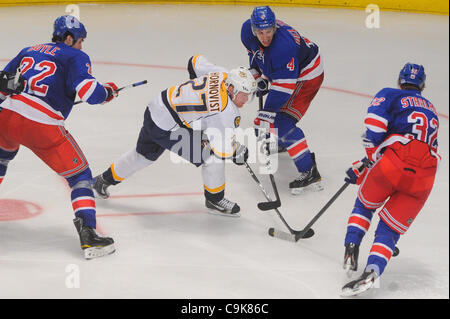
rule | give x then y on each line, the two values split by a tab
359	169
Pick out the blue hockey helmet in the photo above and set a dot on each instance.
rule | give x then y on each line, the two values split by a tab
262	18
70	24
413	74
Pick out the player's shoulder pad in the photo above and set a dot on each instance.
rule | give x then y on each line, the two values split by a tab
246	33
191	66
389	92
75	54
282	48
384	97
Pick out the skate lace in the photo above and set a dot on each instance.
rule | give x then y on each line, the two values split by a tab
303	176
226	203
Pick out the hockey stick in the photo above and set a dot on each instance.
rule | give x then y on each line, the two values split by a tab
303	234
272	204
264	206
120	89
310	232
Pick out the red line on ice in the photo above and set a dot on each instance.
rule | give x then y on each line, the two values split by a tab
155	195
151	213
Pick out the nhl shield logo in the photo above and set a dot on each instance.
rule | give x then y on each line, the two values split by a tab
410	220
75	160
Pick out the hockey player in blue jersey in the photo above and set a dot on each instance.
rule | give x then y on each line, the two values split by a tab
54	75
396	176
289	69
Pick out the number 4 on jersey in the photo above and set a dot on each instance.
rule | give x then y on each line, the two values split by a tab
291	65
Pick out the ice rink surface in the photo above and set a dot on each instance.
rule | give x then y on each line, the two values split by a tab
167	245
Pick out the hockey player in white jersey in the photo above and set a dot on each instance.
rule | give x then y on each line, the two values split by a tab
201	115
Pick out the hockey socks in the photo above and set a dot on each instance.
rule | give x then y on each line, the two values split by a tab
83	203
2	171
382	248
5	158
110	177
358	223
296	146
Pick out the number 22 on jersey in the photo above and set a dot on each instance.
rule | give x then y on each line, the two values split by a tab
35	84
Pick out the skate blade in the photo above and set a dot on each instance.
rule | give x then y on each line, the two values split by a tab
216	212
314	187
96	252
349	292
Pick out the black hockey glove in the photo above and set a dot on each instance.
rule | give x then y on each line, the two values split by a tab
8	85
241	154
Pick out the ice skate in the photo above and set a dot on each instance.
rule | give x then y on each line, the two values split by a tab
307	180
351	258
360	285
92	244
223	207
100	187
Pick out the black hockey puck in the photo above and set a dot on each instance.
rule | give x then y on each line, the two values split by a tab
271	230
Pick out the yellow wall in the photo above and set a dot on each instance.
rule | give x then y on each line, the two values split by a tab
424	6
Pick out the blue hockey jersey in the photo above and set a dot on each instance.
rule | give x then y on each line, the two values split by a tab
397	115
55	74
290	58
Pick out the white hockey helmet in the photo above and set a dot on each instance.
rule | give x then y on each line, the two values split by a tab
242	81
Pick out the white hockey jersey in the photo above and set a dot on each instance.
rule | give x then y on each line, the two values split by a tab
201	104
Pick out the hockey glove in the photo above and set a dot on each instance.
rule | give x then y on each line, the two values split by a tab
263	123
11	83
369	147
111	88
241	154
261	81
358	171
263	86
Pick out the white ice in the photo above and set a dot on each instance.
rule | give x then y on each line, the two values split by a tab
168	246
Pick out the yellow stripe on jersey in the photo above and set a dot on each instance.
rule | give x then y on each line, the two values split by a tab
223	155
194	60
215	190
115	176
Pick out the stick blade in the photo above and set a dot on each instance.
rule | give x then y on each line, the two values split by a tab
281	235
306	235
269	205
